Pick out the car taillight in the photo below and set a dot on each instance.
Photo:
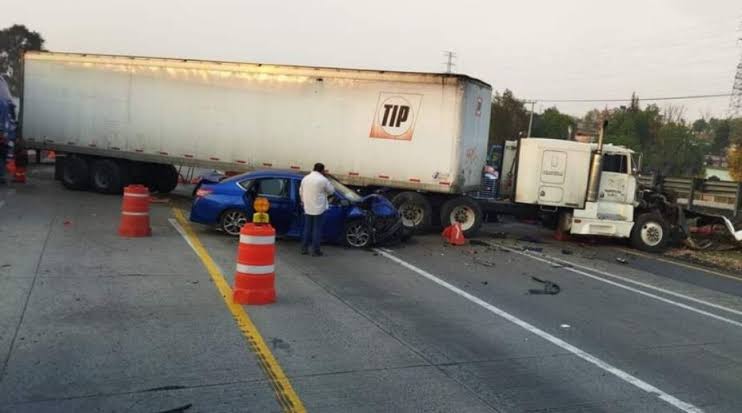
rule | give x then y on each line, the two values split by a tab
203	192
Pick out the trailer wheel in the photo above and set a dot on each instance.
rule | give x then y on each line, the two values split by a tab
108	176
415	210
75	173
164	178
465	211
650	232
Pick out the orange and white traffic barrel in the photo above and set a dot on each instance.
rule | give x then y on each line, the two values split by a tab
254	279
135	212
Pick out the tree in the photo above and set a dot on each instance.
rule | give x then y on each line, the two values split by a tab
14	41
734	159
553	124
700	125
509	118
720	130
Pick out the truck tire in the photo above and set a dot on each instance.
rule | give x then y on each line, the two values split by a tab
76	173
164	178
415	210
465	211
108	176
650	232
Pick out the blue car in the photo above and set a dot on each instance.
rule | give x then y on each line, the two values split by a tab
352	220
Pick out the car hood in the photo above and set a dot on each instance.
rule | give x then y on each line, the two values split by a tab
379	205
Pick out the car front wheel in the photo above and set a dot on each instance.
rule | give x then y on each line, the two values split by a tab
357	234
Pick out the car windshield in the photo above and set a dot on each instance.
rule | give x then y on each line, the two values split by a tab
346	192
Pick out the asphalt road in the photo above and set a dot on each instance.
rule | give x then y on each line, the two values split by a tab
90	321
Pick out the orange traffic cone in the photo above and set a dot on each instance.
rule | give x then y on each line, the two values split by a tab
254	279
454	234
135	212
10	167
19	175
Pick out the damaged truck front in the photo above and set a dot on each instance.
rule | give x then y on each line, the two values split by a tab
591	189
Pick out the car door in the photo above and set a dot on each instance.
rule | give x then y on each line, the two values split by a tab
334	224
334	218
282	207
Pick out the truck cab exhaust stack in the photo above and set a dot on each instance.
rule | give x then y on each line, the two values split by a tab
596	167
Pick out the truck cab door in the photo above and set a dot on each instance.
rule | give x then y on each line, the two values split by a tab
617	188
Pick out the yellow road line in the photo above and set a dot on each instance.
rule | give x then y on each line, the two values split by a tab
682	264
284	392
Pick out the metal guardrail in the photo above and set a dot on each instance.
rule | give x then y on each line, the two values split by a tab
722	196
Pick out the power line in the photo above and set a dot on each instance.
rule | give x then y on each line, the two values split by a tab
712	95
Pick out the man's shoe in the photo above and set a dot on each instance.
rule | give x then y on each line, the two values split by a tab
317	254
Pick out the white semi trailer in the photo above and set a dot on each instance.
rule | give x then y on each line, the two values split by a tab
420	136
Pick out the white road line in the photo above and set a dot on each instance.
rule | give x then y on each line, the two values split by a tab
629	280
187	239
674	401
626	287
182	232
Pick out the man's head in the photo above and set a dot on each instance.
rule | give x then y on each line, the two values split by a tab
319	167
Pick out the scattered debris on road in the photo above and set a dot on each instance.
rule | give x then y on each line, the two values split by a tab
566	252
498	235
622	260
549	288
180	409
478	243
528	238
532	249
485	263
565	326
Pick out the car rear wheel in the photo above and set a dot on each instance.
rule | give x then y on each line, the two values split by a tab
357	234
232	220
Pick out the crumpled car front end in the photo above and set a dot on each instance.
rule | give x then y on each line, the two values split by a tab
383	219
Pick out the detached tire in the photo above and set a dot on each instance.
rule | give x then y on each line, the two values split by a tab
163	178
75	173
108	176
650	232
415	210
465	211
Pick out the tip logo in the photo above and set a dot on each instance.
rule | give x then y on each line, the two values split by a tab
396	115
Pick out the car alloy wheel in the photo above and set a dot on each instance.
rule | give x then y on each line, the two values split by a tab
357	235
233	221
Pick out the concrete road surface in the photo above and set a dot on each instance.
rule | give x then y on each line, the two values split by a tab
93	322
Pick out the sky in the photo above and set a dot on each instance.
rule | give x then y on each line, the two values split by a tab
539	49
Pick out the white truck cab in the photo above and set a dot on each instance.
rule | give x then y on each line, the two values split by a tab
558	175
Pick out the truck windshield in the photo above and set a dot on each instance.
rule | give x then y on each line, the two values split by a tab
346	192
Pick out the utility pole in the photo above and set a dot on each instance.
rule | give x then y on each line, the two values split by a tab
530	120
735	102
449	60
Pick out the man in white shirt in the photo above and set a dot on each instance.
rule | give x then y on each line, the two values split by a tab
314	190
